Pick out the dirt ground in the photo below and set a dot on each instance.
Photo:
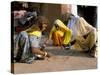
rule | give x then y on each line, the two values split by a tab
62	60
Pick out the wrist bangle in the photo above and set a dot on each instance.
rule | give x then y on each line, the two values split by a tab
45	54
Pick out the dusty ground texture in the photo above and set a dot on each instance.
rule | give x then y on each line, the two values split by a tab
62	60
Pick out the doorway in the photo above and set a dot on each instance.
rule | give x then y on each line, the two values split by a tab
89	13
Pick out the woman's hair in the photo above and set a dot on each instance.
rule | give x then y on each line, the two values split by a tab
38	23
67	16
41	20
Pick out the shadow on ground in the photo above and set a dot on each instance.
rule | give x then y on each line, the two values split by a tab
65	52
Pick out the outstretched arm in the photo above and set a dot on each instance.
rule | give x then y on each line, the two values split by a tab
40	52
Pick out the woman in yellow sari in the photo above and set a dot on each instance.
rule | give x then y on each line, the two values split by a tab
60	34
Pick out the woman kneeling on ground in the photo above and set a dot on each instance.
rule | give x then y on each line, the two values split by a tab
27	43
